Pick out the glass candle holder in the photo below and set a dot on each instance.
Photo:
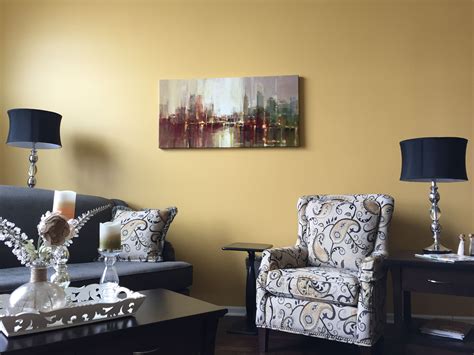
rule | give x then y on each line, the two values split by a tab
61	276
110	277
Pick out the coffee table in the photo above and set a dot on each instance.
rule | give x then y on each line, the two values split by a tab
166	323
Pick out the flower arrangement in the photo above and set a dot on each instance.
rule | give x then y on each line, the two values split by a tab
54	230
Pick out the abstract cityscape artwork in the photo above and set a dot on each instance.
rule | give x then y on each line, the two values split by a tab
229	112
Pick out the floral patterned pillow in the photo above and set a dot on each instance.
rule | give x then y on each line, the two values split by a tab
341	232
143	232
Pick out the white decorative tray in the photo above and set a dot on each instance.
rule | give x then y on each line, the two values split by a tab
85	305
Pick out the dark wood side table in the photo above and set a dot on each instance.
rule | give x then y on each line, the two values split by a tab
249	327
412	274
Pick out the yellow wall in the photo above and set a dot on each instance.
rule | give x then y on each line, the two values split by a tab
2	88
373	73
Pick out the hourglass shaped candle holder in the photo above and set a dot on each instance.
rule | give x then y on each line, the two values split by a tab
110	247
109	277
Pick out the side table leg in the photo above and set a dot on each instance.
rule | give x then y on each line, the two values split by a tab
251	292
397	298
247	325
407	307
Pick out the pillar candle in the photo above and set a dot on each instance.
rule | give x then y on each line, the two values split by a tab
110	236
65	203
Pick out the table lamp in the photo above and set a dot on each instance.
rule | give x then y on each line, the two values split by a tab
34	129
434	159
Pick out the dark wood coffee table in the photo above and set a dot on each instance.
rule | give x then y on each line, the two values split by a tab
166	323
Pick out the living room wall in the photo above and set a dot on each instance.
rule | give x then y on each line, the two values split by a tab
2	82
372	73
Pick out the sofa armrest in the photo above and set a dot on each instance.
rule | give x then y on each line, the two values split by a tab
372	269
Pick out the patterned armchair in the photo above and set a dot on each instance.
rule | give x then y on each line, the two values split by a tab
331	285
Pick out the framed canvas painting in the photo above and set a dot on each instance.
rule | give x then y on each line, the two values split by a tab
249	112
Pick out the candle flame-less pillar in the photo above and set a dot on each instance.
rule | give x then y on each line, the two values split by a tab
110	236
65	203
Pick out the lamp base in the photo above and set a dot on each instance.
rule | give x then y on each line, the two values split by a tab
436	249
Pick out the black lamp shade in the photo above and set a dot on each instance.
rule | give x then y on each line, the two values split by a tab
34	128
440	159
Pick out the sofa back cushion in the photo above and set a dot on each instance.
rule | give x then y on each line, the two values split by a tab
25	206
341	230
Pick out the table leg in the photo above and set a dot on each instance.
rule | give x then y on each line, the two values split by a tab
397	297
248	327
251	291
209	336
407	307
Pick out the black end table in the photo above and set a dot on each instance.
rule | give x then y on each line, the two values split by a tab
413	274
248	327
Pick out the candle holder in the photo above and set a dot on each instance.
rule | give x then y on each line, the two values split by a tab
110	277
61	276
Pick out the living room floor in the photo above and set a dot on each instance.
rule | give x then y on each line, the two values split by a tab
284	343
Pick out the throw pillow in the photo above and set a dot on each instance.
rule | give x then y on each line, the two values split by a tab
143	232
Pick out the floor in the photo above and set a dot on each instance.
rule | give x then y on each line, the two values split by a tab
282	343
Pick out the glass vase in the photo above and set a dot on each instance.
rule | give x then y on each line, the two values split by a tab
38	295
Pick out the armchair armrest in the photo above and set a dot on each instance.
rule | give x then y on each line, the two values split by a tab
272	259
283	258
371	303
372	269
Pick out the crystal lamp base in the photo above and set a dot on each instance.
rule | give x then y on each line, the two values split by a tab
436	249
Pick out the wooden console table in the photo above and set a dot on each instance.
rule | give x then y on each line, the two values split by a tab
412	274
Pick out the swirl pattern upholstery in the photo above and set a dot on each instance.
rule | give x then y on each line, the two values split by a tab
143	232
315	283
331	285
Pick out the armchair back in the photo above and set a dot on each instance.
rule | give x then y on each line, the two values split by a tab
341	230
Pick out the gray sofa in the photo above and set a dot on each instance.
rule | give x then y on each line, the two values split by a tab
24	207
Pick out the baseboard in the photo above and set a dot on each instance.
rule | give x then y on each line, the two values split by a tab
236	311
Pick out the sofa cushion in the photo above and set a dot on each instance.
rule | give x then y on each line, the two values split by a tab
341	230
172	275
143	232
326	284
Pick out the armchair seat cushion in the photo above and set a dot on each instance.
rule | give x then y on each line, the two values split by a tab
317	283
